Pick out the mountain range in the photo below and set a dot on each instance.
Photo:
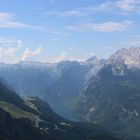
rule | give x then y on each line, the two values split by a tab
103	92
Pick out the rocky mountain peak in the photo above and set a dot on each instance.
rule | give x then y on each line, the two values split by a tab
129	58
92	59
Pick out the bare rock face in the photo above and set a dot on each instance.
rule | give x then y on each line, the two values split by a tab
125	58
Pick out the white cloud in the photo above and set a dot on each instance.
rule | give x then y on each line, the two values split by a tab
102	27
10	51
128	5
8	54
64	56
63	14
8	42
19	43
9	48
7	20
110	6
31	54
121	6
6	16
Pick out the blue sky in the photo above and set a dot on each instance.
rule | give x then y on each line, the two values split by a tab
55	30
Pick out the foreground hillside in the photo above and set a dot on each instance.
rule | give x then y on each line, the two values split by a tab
32	118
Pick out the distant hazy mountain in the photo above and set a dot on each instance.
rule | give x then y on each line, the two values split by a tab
32	118
59	84
28	78
112	97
